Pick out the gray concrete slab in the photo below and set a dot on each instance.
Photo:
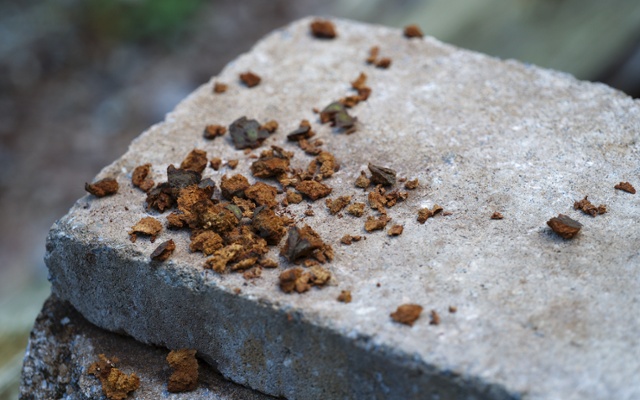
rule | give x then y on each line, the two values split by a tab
63	345
537	316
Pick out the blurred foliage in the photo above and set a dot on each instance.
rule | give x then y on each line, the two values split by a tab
116	21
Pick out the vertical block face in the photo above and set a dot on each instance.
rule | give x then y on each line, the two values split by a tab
519	312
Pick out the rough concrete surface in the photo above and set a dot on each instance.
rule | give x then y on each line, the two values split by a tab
537	316
63	345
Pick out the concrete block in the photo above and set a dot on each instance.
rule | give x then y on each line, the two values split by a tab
537	316
63	345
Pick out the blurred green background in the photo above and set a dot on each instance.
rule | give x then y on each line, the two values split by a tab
80	79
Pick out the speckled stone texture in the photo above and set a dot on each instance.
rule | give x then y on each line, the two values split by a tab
63	345
538	317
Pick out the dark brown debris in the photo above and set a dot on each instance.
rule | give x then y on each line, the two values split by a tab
383	63
103	187
206	242
302	132
272	163
323	166
116	385
219	87
453	309
348	239
213	131
185	371
373	55
148	226
215	163
293	197
270	126
232	164
376	224
262	194
396	230
345	296
626	186
250	79
164	251
435	318
299	280
247	133
337	115
336	205
407	314
564	226
323	29
234	186
497	215
424	213
586	207
195	161
362	181
141	178
313	190
305	243
382	175
412	31
268	225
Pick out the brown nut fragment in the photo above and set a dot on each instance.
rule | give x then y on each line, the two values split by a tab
424	213
435	318
116	385
564	226
146	226
262	194
250	79
103	187
336	205
272	163
382	175
215	163
362	181
195	161
396	230
232	164
497	215
293	197
219	87
345	296
213	131
140	177
356	209
376	224
323	29
185	371
412	184
348	239
626	186
164	251
234	186
313	190
588	208
412	31
268	225
383	63
407	314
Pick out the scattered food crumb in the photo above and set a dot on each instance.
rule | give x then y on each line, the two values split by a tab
215	163
103	187
140	177
234	186
293	197
268	225
219	87
407	314
146	226
497	215
362	181
206	242
294	279
345	296
384	63
412	184
185	370
262	194
164	251
348	239
337	115
313	190
195	161
356	209
270	126
272	163
250	79
588	208
373	55
564	226
336	205
396	230
116	385
376	224
232	164
412	31
237	290
323	29
435	318
303	243
382	175
213	131
453	309
309	212
424	213
626	186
